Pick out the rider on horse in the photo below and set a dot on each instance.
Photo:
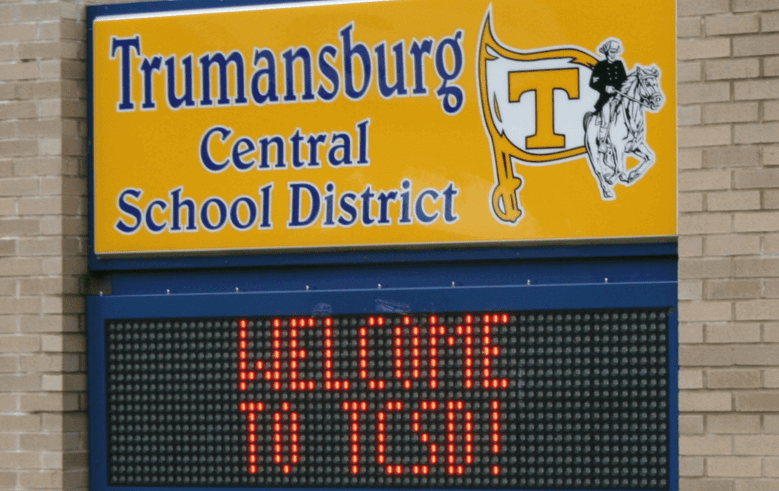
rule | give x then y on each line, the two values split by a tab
607	77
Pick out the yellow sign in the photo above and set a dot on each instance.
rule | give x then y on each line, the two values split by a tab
388	123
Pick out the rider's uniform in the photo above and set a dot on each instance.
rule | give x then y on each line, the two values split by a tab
604	74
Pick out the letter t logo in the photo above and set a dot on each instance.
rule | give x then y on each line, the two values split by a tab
544	83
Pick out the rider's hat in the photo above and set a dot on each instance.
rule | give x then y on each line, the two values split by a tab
610	45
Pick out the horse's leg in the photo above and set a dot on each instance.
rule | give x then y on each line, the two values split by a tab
647	161
622	157
596	164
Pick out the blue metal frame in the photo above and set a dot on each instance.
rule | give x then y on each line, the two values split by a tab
496	277
339	301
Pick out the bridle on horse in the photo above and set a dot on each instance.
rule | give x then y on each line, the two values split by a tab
644	98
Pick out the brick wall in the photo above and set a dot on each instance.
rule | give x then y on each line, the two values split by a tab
42	246
728	244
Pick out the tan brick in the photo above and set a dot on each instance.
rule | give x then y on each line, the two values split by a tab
18	109
49	402
690	424
771	66
733	424
705	311
700	180
756	485
756	133
756	445
696	49
770	243
690	246
74	422
701	7
757	310
21	422
733	200
49	442
753	5
771	332
20	344
734	467
771	111
771	199
692	158
77	477
731	113
41	479
689	72
732	333
47	323
770	155
732	289
18	187
732	245
37	12
20	383
8	480
691	290
771	288
703	356
709	136
756	355
690	202
757	401
19	266
740	156
756	222
733	379
705	223
705	445
19	32
690	379
706	268
704	92
771	467
750	46
732	24
20	460
756	89
771	424
770	21
689	27
691	466
24	305
41	285
689	116
733	69
690	333
771	378
705	485
9	363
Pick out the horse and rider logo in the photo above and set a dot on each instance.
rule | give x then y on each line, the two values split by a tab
553	105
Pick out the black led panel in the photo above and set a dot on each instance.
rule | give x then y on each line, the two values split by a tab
509	400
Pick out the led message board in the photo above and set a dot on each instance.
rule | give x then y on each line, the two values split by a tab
365	124
554	399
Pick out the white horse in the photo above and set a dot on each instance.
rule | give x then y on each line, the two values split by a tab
627	131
